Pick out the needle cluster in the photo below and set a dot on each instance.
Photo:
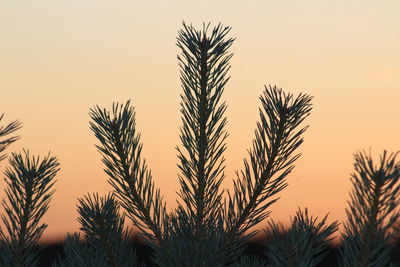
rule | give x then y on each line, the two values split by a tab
210	226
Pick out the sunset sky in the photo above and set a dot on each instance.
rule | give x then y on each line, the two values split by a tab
61	58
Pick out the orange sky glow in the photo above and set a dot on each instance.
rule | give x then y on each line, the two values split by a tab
61	58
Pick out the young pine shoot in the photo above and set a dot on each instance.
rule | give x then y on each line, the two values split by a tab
107	242
372	214
302	245
28	192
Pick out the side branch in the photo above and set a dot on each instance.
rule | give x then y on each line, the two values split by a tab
267	158
128	173
12	127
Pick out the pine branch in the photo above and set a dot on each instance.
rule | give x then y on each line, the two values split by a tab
12	127
253	192
107	241
182	249
128	173
203	64
28	195
372	213
205	225
303	245
79	254
249	261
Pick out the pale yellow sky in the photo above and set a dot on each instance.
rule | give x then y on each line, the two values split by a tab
60	58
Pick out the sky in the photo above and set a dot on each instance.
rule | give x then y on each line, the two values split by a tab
61	58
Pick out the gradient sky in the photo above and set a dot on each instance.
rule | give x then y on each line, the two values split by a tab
60	58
